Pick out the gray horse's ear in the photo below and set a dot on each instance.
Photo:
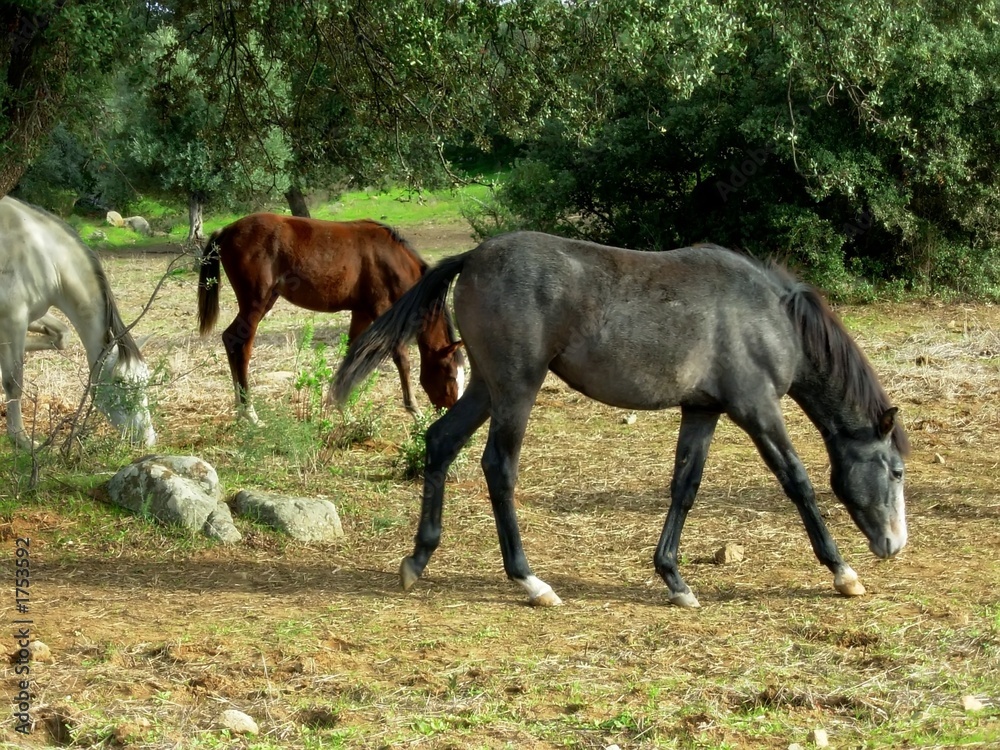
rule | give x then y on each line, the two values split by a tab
887	421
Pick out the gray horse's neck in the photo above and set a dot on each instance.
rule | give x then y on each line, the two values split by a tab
822	398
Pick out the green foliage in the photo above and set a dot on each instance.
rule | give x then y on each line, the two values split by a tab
175	115
313	374
412	452
411	455
844	138
359	419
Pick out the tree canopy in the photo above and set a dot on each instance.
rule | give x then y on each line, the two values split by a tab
853	138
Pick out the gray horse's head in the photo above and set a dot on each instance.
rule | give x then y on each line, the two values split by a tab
867	477
121	394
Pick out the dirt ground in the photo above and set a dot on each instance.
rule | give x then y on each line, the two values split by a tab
153	635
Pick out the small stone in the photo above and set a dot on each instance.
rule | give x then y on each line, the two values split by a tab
795	746
971	704
238	722
729	553
40	652
630	418
614	747
131	732
98	236
818	738
938	458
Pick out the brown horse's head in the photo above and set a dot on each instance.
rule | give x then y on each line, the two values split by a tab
442	373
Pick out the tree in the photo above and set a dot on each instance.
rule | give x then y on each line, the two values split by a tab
175	119
51	52
851	138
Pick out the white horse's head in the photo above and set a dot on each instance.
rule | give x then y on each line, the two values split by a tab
121	394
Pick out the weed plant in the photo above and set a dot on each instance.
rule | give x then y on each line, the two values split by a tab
412	453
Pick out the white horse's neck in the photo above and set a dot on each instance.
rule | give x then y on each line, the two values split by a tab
43	265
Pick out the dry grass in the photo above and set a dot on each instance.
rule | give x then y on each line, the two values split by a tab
155	634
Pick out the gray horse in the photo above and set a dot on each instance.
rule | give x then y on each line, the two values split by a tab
702	328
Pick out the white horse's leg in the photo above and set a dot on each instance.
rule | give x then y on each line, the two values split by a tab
12	367
54	334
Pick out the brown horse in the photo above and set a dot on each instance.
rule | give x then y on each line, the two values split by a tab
326	266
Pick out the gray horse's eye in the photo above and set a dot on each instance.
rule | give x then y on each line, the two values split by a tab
897	474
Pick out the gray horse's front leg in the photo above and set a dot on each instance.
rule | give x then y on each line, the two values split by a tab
767	428
445	438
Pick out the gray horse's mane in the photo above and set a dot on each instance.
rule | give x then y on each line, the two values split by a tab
832	349
128	350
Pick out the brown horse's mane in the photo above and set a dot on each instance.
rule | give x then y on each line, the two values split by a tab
832	349
401	240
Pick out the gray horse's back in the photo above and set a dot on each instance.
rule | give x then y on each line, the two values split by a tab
641	330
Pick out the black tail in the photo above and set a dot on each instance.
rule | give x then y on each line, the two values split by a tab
208	285
399	323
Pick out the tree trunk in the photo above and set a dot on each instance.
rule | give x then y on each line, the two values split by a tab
195	229
297	202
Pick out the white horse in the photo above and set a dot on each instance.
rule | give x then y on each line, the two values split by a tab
44	264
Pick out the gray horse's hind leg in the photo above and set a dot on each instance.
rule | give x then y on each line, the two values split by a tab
445	438
696	431
766	427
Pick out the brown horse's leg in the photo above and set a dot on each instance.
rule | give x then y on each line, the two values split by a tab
238	340
400	356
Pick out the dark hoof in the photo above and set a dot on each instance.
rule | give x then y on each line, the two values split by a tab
408	574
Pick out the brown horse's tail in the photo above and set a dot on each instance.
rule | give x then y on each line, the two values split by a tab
398	324
208	285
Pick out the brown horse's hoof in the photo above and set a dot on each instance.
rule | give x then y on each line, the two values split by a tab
548	599
408	574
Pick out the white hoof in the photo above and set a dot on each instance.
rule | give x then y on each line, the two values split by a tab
250	415
685	599
540	594
408	574
847	583
550	599
24	443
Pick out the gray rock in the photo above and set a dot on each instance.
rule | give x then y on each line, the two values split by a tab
40	652
819	738
304	518
238	722
729	553
219	525
139	224
178	490
98	236
115	219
